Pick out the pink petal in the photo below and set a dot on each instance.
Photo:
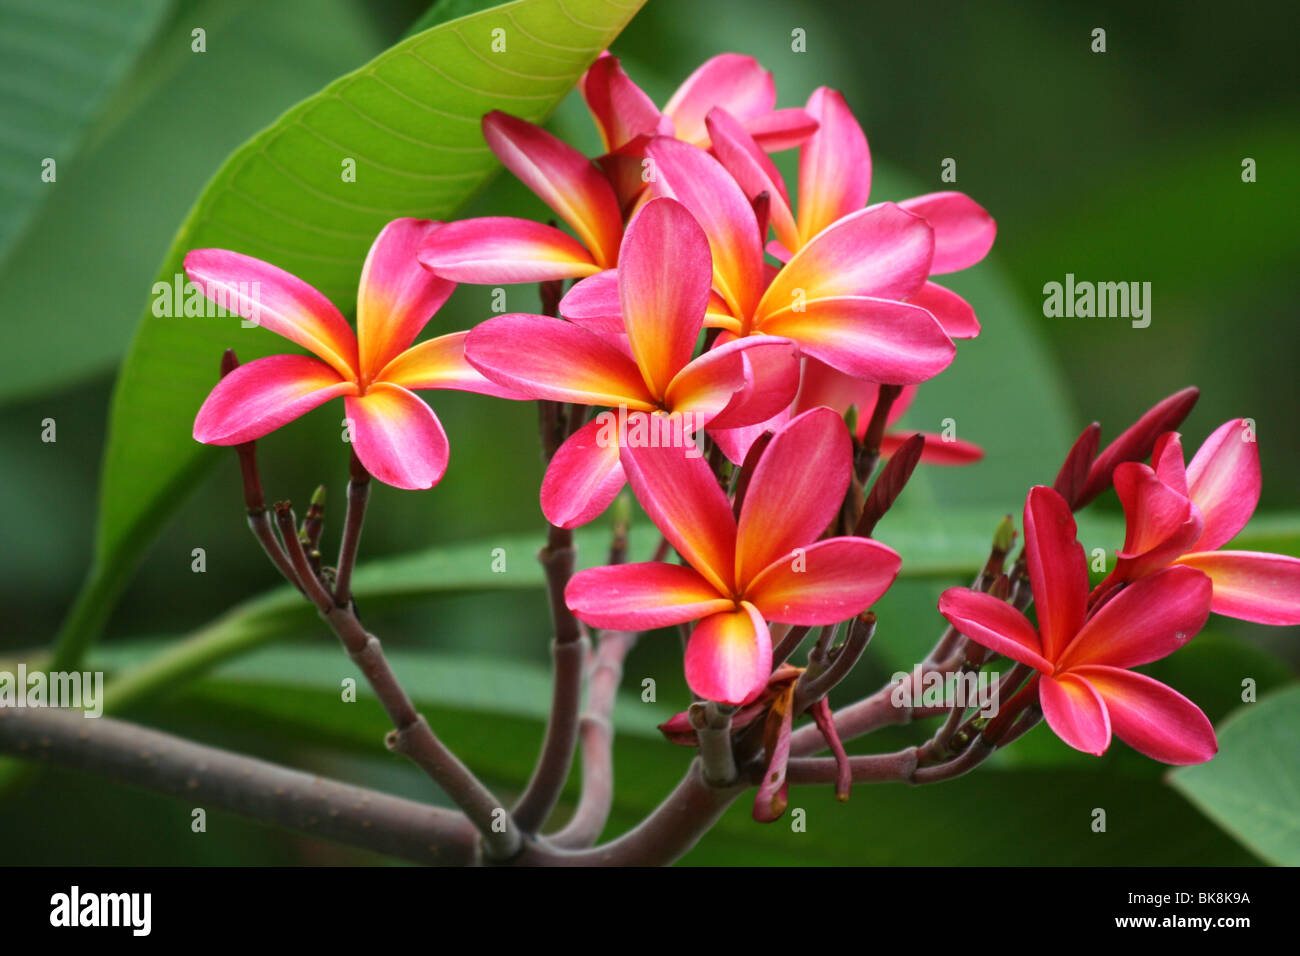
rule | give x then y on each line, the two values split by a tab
683	499
698	181
994	624
397	437
735	442
753	171
664	276
1167	460
621	109
937	450
824	385
871	338
950	310
1160	524
562	178
1075	712
275	300
584	475
1058	573
259	397
637	597
797	488
834	166
1251	585
1136	441
593	303
737	83
963	230
729	656
499	249
826	582
781	129
441	363
396	296
880	251
1148	620
1223	479
1153	719
547	358
737	383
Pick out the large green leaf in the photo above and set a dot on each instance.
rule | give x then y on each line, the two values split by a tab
60	60
1252	788
87	258
410	121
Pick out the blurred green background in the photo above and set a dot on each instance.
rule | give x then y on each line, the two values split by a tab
1116	166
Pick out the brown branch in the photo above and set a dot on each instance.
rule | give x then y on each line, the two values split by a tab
213	778
597	733
358	495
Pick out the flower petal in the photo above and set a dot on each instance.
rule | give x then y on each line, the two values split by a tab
753	171
562	178
737	83
950	310
1152	718
834	166
1148	620
1058	573
264	394
637	597
548	358
880	251
584	475
275	300
621	109
740	382
441	363
825	583
1251	585
494	249
1076	712
664	276
871	338
963	229
994	624
396	296
698	181
729	656
681	496
1223	479
594	304
1160	524
781	129
937	450
1136	441
398	437
797	488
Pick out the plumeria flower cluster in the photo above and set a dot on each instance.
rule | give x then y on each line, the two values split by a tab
741	359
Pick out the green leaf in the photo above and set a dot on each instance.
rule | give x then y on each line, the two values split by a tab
154	144
60	61
410	120
1252	787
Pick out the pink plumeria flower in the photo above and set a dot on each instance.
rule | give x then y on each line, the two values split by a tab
835	181
1178	515
644	368
626	117
503	249
1085	684
767	566
839	297
396	435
